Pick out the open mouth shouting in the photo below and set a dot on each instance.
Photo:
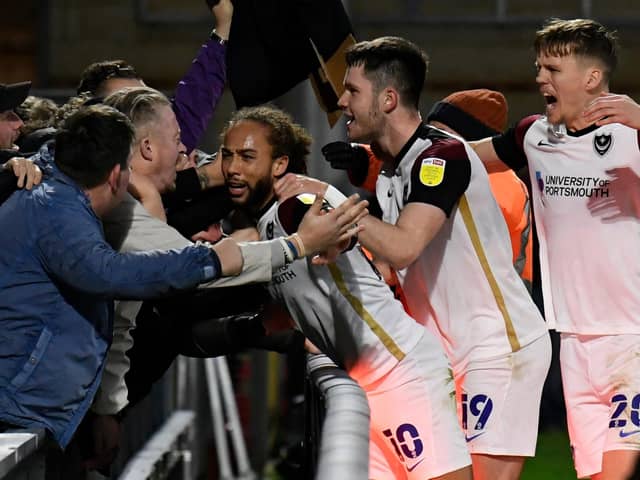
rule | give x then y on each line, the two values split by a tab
236	188
551	102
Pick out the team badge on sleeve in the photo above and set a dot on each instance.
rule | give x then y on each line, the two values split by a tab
432	171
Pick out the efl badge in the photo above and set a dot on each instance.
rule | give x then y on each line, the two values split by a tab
432	171
307	198
602	143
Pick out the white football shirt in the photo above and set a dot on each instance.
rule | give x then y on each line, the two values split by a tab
585	187
345	309
463	286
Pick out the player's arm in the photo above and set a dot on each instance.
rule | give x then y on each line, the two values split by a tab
402	243
506	150
428	206
398	244
439	177
486	151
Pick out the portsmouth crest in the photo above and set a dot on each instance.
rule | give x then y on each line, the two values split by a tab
602	143
432	171
270	231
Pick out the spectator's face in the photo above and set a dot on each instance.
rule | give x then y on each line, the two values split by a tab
360	104
166	147
10	125
247	164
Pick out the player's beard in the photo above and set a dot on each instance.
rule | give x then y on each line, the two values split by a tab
260	194
372	126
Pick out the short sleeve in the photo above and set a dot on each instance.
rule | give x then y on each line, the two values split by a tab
440	175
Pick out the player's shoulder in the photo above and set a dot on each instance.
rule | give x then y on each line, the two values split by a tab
445	160
528	121
444	146
522	128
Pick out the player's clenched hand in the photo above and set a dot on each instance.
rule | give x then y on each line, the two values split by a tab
345	156
613	108
28	173
320	230
292	184
230	256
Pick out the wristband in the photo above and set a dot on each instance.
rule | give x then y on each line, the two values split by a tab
217	38
292	247
287	250
300	250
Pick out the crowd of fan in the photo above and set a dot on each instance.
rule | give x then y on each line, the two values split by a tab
114	246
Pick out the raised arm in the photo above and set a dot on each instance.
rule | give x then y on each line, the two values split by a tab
199	91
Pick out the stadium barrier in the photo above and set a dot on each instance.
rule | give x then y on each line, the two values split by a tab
337	424
22	455
336	430
167	454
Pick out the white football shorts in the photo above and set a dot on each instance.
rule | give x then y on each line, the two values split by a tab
415	432
601	384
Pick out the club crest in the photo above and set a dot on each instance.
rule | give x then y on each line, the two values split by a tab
270	230
602	143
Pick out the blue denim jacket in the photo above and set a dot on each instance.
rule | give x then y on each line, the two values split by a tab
57	279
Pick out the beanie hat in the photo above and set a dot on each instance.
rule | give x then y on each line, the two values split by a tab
13	94
474	114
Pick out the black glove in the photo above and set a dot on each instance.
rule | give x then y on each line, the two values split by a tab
345	156
227	335
348	156
285	341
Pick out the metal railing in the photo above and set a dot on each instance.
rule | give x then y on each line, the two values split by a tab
343	421
168	451
337	432
21	455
